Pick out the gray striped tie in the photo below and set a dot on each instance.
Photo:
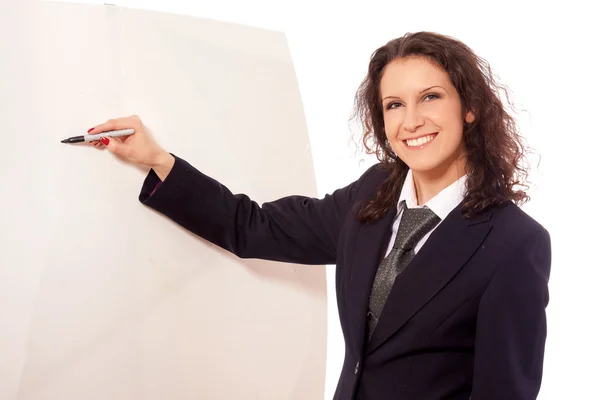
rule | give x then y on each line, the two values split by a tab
414	224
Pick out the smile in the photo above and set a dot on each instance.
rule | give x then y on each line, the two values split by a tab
420	142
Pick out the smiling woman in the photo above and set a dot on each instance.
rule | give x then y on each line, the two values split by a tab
424	127
441	280
431	105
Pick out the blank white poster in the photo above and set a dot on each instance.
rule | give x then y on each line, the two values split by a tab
121	302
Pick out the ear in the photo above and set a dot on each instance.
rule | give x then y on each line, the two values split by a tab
469	117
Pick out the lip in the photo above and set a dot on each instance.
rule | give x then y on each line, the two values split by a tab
423	145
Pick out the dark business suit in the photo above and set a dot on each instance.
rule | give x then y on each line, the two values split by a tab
465	319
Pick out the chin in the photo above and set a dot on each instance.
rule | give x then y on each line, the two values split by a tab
422	166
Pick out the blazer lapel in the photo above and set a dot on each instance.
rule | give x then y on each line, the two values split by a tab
372	240
444	254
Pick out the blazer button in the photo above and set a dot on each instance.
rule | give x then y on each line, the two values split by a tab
356	368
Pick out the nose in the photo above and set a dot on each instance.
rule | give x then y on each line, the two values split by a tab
412	119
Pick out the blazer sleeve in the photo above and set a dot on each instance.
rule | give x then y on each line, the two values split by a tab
511	324
295	229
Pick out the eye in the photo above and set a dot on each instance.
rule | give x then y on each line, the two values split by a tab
434	95
396	104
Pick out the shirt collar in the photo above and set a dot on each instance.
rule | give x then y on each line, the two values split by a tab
441	204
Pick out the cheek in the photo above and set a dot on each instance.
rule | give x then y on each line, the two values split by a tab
391	123
456	126
453	139
448	120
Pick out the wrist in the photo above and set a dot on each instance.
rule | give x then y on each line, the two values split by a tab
161	159
163	164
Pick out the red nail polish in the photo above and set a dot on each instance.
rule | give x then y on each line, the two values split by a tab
105	141
91	129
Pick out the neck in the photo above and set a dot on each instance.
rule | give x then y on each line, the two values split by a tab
429	183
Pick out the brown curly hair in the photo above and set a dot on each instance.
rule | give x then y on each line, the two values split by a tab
495	150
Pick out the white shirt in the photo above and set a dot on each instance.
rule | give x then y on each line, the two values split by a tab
441	204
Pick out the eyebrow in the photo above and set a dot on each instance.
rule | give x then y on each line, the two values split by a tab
424	90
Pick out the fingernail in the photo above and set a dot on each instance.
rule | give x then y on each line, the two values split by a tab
105	141
91	129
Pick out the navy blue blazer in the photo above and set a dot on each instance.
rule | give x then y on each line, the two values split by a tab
465	320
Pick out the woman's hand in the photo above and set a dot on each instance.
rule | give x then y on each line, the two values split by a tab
138	148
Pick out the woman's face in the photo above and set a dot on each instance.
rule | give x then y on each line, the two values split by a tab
422	115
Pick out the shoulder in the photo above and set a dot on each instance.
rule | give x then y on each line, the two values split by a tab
520	245
514	222
371	179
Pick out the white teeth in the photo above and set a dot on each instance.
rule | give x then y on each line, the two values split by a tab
420	141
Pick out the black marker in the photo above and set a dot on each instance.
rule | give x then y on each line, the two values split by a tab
98	136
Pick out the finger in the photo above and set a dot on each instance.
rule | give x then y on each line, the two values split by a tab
114	124
115	146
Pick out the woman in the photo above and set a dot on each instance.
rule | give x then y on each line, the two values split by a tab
442	281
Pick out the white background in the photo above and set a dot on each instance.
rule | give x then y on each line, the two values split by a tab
544	53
